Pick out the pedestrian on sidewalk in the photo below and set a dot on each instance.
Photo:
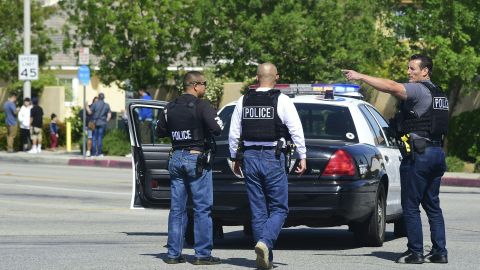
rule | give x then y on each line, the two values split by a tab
53	132
101	114
11	120
24	119
36	122
89	128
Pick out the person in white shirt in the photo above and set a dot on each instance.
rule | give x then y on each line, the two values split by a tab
24	119
263	120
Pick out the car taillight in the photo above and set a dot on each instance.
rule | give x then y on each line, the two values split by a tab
340	164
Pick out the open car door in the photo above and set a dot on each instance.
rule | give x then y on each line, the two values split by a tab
151	181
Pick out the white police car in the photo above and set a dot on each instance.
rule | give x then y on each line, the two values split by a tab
352	175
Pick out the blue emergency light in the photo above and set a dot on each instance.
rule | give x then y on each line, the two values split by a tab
326	91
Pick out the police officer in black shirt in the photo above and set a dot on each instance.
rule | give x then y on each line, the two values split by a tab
190	122
421	124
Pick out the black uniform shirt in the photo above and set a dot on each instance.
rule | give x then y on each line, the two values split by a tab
211	122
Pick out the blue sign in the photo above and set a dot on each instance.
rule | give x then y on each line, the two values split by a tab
84	75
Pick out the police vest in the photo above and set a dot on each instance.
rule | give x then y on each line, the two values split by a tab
260	121
433	123
186	129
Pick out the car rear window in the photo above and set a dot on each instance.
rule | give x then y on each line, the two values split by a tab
319	121
330	122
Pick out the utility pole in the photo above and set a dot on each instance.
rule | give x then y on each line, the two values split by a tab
27	85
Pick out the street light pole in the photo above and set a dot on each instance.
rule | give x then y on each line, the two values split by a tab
26	44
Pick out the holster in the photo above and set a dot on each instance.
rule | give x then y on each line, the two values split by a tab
278	149
419	145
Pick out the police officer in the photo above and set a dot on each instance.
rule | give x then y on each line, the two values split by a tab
189	121
422	124
262	121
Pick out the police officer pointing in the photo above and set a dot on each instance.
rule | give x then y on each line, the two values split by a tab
263	121
421	124
190	121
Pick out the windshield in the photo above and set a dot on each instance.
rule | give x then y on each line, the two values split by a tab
319	121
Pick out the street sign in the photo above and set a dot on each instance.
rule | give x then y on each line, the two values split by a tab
84	56
27	67
84	75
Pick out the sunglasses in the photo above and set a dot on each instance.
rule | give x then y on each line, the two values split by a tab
204	83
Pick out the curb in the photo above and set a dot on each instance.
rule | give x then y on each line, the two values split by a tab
100	163
460	182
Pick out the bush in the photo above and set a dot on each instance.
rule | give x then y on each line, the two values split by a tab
454	164
464	136
116	143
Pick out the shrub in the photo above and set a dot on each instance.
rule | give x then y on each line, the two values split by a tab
116	143
454	164
464	136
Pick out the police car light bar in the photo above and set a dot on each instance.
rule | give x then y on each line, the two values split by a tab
328	91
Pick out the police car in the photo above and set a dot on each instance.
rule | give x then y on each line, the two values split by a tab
352	175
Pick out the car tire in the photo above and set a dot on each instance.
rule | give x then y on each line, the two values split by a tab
399	229
372	232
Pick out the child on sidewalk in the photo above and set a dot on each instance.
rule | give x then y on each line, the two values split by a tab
53	132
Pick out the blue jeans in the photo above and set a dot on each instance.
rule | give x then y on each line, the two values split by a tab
267	189
183	182
420	183
97	140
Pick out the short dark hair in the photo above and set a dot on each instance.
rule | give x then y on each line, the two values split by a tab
53	116
425	62
26	99
101	96
35	100
191	77
12	94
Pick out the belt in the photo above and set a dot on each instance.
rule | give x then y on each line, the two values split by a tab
192	150
259	147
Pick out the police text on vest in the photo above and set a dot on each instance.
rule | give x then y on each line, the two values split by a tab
440	103
181	135
258	112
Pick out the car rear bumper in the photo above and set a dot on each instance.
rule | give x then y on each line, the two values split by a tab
327	204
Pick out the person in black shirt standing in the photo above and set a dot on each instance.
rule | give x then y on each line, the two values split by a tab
190	121
36	118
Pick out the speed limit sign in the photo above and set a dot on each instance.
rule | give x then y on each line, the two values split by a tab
27	67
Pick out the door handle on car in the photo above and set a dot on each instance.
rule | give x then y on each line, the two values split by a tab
400	158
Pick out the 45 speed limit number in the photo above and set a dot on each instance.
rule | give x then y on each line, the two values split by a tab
28	67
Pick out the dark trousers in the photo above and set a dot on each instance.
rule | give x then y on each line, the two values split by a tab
267	189
420	183
25	137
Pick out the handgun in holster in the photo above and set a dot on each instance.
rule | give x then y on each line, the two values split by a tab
279	148
170	153
240	151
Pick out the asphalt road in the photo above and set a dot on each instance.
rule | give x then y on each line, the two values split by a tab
66	217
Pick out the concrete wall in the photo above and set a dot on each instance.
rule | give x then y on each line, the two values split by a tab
52	101
231	92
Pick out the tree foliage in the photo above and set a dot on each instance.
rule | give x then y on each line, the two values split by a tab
308	40
135	40
448	32
11	36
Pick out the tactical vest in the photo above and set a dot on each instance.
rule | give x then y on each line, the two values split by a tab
433	123
186	129
260	121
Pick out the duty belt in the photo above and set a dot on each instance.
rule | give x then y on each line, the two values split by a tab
259	147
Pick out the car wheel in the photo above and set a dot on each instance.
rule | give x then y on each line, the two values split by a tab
372	231
399	229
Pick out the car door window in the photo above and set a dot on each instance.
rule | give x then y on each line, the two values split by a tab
384	125
374	127
145	129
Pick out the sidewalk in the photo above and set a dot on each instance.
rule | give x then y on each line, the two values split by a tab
63	157
76	159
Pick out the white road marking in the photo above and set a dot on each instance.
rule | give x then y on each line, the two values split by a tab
67	189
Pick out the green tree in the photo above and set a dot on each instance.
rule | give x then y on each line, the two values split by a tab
448	32
135	40
11	36
308	40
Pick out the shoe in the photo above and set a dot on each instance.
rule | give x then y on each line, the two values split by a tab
262	252
39	149
410	257
434	257
33	150
101	155
179	259
207	261
87	153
